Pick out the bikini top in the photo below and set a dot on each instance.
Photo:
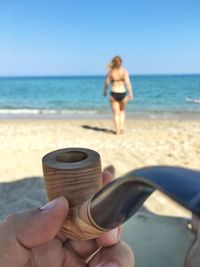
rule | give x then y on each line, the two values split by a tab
118	80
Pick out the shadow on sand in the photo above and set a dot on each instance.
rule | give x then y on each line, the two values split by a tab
21	195
98	129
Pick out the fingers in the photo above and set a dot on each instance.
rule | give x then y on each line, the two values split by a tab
111	99
54	254
86	248
108	174
110	169
71	259
109	238
119	255
41	225
126	99
49	254
20	232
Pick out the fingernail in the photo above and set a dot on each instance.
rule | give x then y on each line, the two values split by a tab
51	205
115	233
110	264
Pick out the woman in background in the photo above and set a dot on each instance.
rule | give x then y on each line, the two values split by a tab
119	78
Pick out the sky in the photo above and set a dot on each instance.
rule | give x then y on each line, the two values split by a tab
79	37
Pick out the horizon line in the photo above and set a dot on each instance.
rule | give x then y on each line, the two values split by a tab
93	75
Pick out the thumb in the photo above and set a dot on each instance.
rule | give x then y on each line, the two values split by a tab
38	226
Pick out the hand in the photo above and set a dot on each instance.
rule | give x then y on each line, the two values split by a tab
130	97
33	239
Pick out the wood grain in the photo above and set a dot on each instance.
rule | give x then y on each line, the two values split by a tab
76	174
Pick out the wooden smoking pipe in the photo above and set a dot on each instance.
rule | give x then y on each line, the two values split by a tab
76	174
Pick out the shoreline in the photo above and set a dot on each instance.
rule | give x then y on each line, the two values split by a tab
95	115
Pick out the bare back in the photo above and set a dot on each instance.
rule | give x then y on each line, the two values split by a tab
117	78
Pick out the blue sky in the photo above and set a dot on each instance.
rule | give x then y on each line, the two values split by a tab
45	37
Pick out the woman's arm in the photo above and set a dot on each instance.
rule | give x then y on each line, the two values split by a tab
128	84
107	84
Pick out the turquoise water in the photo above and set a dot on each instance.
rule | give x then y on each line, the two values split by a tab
83	95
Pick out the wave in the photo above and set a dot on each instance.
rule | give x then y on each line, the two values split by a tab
195	101
12	113
45	111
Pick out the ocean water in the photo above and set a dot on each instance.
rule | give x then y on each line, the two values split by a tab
160	95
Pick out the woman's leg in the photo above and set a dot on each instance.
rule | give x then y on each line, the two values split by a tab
122	115
116	114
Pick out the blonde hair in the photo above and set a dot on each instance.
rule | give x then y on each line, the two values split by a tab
115	63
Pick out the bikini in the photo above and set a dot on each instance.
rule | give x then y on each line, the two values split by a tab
118	96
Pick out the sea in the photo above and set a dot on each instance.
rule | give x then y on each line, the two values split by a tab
156	96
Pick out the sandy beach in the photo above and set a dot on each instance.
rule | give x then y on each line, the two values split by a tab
144	143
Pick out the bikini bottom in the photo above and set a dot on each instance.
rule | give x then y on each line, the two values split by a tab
118	96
